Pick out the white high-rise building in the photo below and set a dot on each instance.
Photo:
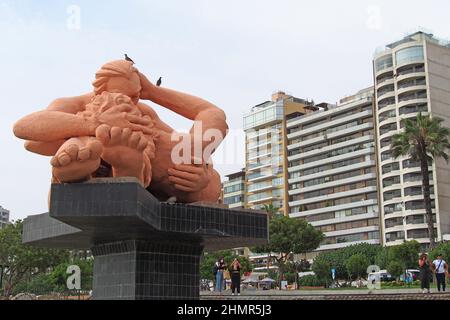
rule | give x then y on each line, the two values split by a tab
332	171
411	75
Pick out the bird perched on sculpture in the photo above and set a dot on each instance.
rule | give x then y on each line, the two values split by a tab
129	59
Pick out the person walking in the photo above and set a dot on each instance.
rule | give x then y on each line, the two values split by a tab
219	269
440	268
425	273
235	272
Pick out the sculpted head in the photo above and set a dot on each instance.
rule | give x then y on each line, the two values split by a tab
118	76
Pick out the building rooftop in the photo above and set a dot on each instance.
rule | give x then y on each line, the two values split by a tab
236	175
415	36
282	96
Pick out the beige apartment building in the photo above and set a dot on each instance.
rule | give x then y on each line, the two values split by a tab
411	75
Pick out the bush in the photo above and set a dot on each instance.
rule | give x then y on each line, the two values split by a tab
310	281
395	268
39	285
289	277
337	259
357	266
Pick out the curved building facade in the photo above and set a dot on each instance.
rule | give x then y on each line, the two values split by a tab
411	76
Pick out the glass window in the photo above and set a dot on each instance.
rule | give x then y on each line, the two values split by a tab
383	63
409	55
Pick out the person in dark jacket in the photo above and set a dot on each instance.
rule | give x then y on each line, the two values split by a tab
235	273
425	273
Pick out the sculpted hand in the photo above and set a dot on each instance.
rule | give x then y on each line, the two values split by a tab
147	87
189	177
119	116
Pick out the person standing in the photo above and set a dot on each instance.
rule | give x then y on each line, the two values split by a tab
235	272
425	273
440	268
220	267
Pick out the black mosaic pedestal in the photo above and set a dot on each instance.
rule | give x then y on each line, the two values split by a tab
143	249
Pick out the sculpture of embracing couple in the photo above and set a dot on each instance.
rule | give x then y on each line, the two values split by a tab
110	133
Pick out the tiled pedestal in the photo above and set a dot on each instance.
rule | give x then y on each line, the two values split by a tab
143	249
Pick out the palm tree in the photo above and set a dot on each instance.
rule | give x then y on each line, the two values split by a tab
424	140
271	210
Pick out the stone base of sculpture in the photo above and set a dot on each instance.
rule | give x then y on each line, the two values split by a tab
143	248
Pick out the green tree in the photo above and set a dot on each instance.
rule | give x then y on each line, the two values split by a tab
395	268
407	254
383	258
322	266
423	139
19	261
271	210
289	236
443	249
58	277
357	265
210	258
337	259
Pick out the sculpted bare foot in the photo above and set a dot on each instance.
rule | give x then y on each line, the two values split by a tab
123	149
76	160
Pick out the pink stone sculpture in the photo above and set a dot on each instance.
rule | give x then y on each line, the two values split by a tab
110	133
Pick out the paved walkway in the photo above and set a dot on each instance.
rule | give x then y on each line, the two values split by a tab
385	294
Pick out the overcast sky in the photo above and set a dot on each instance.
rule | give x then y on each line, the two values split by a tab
232	53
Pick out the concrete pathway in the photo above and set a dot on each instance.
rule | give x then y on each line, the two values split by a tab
360	294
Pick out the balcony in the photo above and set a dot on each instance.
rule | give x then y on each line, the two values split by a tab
328	148
258	187
331	196
331	184
330	125
363	152
412	88
268	153
258	166
260	176
334	208
360	165
385	90
385	81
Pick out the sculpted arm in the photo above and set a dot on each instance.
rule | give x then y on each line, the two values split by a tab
188	106
56	123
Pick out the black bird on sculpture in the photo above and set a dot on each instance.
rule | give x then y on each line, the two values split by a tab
158	84
128	58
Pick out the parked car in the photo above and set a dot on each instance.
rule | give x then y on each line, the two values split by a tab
384	276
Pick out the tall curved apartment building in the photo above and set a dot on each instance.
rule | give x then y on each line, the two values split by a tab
410	76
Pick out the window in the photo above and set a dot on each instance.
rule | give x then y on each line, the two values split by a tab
414	108
393	236
390	167
410	164
417	205
391	208
234	188
389	195
394	222
409	55
383	63
387	128
231	200
387	115
391	181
